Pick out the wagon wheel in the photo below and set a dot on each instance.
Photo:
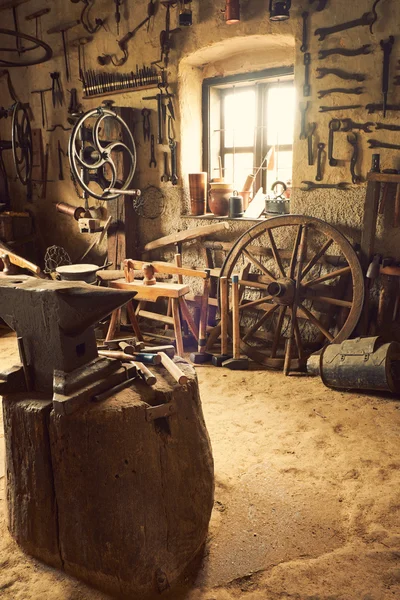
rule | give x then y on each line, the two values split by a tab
295	300
22	143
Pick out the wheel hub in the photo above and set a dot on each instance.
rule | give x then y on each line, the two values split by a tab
282	291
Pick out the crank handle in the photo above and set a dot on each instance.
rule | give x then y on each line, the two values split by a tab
134	193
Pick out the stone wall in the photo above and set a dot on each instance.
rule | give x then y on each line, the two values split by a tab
211	48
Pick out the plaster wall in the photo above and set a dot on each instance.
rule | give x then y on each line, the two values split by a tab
211	48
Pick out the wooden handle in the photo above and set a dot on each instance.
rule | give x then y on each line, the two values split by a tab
147	375
173	369
235	316
204	315
151	359
397	207
224	314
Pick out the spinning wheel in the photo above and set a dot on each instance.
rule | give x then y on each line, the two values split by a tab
21	141
17	55
294	301
94	160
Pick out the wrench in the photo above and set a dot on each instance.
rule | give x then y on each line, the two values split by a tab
356	91
172	146
387	47
146	124
304	45
312	128
334	125
307	87
321	4
366	49
352	138
371	108
387	126
311	186
323	109
349	125
165	177
367	18
153	162
321	148
323	72
303	109
378	144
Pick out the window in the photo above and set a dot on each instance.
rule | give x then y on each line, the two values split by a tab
248	124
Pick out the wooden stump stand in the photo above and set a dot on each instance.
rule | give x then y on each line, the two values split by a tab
119	493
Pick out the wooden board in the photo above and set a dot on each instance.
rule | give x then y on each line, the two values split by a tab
185	236
150	293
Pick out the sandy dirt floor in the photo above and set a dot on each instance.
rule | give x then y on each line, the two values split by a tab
307	502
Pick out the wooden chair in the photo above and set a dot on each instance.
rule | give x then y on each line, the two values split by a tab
174	292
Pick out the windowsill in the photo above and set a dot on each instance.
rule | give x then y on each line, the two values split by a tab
211	217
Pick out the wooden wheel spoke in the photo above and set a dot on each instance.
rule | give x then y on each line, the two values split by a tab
253	284
332	275
316	258
332	301
316	322
253	303
275	253
259	323
293	260
259	265
278	331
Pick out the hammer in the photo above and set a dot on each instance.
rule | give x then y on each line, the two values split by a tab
219	359
236	363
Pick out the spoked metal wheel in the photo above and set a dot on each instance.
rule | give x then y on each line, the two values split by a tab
301	286
22	143
21	50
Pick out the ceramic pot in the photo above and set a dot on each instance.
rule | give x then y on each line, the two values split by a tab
219	198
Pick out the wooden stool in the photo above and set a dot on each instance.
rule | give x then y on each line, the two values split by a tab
174	292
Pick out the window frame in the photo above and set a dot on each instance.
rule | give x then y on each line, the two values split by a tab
263	80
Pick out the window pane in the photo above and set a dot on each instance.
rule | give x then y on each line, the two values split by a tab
237	168
281	106
240	118
282	168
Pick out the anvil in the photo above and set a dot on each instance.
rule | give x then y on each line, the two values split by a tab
55	321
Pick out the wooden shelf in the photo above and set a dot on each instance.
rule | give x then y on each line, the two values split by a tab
211	217
384	177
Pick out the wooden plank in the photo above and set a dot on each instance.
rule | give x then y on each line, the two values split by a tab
185	236
383	177
146	314
150	293
168	268
369	223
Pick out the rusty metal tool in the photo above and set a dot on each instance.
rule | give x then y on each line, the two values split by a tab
85	19
173	149
61	153
307	63
357	91
319	175
63	29
59	126
123	46
304	45
146	124
365	49
81	43
153	162
367	19
334	125
323	109
36	16
349	125
353	140
304	106
387	47
310	186
117	15
372	108
379	144
323	72
311	131
43	105
387	126
165	176
57	94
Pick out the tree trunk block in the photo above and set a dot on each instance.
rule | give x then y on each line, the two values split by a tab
109	494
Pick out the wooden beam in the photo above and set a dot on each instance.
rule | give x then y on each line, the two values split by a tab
185	236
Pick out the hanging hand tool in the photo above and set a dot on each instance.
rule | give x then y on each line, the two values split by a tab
323	72
349	125
80	43
320	5
161	112
123	46
350	91
57	93
311	130
61	153
151	11
59	126
319	175
334	125
74	107
307	63
366	49
387	126
367	19
166	35
146	124
310	186
37	16
165	177
153	162
43	105
303	129
85	17
173	149
63	29
378	144
304	45
371	108
118	13
353	140
387	47
323	109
